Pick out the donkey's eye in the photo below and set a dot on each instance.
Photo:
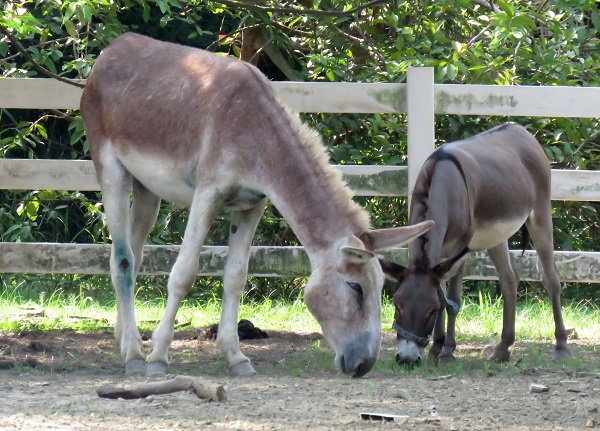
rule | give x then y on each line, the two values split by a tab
358	289
355	286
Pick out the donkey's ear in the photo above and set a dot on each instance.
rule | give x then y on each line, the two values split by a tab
392	270
448	268
356	255
381	239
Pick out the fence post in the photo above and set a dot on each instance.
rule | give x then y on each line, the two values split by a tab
421	120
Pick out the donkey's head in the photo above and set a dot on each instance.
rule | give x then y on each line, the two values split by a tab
344	295
419	300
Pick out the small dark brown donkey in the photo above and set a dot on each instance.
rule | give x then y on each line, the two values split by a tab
479	191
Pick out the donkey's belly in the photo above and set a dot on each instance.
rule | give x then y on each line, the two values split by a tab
167	181
176	184
488	235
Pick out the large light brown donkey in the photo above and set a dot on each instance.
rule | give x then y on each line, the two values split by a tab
479	192
201	130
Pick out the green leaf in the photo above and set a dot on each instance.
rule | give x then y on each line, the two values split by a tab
523	21
41	130
85	15
596	20
145	12
32	209
451	72
163	6
70	27
45	195
69	11
457	46
506	7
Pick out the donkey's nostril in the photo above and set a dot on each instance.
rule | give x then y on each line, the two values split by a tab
400	360
361	370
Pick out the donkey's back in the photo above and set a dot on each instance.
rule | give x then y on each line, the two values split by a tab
168	105
169	84
515	169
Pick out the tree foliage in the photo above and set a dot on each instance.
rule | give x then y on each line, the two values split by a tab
552	42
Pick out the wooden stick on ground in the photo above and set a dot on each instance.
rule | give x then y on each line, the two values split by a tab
201	387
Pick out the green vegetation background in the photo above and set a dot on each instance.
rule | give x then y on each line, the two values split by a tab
551	42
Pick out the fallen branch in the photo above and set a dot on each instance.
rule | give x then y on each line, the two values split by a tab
202	388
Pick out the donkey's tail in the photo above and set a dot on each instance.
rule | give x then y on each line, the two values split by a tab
525	239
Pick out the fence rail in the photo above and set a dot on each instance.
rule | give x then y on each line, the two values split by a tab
365	180
419	98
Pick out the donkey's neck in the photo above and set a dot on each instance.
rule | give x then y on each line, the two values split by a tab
311	195
452	231
315	211
425	251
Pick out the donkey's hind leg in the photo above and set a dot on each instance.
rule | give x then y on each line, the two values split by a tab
144	211
540	228
203	211
508	279
115	183
243	226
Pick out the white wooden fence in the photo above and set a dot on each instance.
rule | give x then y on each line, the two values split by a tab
420	98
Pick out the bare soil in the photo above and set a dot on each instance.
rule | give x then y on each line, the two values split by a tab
48	381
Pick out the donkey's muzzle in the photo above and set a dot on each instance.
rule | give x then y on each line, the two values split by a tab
405	362
356	368
358	357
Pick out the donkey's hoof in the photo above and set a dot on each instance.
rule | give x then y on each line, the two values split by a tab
135	367
435	352
156	368
446	358
561	353
242	369
499	356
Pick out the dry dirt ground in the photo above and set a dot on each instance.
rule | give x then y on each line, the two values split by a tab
49	381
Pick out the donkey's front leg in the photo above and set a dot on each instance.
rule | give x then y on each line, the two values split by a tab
202	212
439	336
508	278
243	226
453	294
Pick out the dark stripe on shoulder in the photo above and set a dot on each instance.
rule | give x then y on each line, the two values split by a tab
441	154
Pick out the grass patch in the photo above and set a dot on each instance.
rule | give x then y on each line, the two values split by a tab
479	323
19	310
479	320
